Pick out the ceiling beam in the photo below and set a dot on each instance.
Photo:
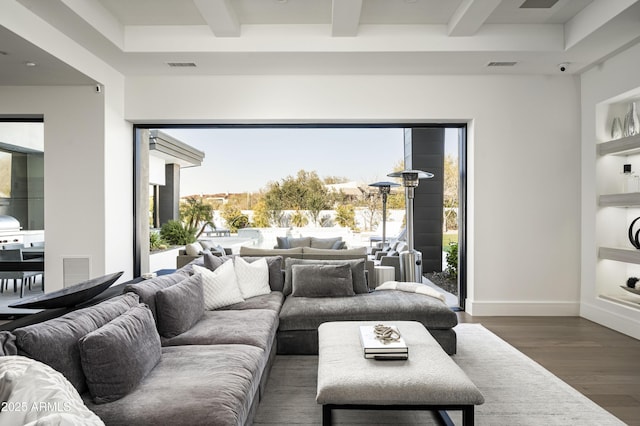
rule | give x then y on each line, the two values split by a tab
345	17
470	16
92	12
220	16
593	17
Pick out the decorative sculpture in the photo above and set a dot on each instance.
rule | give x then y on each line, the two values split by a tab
634	238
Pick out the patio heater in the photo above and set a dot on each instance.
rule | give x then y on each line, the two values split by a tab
411	259
385	189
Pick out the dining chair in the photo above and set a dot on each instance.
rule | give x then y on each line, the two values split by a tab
14	255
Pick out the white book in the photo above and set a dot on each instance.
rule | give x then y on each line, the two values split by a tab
371	345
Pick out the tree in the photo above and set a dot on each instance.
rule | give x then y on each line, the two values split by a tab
195	215
261	217
346	216
450	193
234	217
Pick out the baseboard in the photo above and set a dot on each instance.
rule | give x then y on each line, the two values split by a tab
620	323
522	308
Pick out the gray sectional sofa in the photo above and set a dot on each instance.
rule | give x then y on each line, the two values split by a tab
167	360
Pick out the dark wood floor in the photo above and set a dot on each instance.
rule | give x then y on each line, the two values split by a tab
601	363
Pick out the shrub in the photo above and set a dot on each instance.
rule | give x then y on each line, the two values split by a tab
176	233
452	260
156	242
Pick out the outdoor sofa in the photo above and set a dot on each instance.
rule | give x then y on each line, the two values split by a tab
173	360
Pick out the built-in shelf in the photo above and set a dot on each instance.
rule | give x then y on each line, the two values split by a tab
631	199
624	146
627	255
623	300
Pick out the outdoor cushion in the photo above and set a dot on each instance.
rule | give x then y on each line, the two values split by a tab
253	278
283	242
193	249
192	385
357	271
252	251
55	342
324	243
147	289
272	301
118	355
220	287
180	306
299	242
329	253
321	280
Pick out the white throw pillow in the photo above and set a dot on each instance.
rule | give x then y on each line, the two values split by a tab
220	287
253	278
193	249
42	396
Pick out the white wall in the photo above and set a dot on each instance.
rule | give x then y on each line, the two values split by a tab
613	78
524	161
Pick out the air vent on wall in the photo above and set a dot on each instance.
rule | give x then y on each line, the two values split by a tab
538	4
501	64
182	64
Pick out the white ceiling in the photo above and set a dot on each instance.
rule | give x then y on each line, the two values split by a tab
139	37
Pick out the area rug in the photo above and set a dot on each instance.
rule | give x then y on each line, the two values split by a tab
517	390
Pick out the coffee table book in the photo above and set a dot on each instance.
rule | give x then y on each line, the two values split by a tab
376	349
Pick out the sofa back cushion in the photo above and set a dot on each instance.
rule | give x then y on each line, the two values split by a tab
252	251
147	290
117	356
180	306
220	287
322	280
357	270
253	277
324	243
55	342
329	254
275	266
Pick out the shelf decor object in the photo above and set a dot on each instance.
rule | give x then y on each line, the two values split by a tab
634	236
385	189
410	259
631	121
616	129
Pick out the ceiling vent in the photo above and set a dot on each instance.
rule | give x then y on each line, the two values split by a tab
501	64
538	4
182	64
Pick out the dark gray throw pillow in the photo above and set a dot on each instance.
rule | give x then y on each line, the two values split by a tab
213	262
283	242
117	356
357	270
180	306
321	280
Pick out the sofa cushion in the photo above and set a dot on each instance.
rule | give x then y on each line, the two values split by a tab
357	270
220	287
180	306
253	278
192	385
299	242
147	289
118	355
303	313
256	327
272	301
321	280
32	382
252	251
274	263
331	254
55	342
324	243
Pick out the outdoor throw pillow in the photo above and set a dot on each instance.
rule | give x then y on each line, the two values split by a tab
322	280
193	249
220	287
117	356
253	278
180	306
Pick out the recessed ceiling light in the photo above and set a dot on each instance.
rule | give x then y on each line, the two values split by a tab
30	64
281	1
182	64
502	64
3	53
410	1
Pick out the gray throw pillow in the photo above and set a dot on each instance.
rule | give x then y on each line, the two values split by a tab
147	289
338	245
283	242
180	306
117	356
322	280
55	342
213	262
357	270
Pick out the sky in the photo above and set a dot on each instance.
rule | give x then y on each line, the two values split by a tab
239	160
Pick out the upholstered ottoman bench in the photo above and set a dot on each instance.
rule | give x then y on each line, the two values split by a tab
428	380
